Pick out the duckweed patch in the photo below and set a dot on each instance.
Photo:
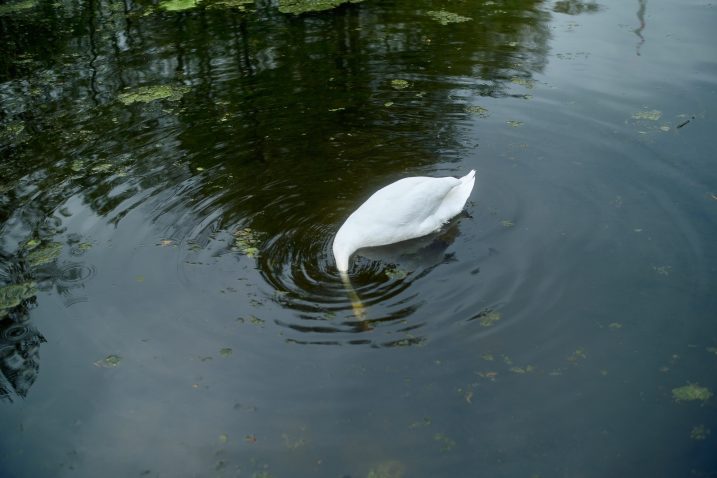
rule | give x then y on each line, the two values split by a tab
691	392
44	254
15	7
304	6
447	443
147	94
395	273
477	110
387	469
247	242
444	18
399	84
12	295
240	5
487	318
178	5
699	432
109	361
648	115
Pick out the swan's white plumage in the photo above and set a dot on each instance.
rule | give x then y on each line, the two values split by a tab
406	209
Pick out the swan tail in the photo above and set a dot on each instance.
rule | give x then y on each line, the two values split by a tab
457	197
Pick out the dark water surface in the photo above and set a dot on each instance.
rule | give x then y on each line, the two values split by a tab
176	311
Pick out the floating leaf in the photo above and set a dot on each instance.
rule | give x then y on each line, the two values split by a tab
109	361
14	7
146	94
395	273
447	444
44	254
691	391
303	6
399	84
444	18
650	115
247	241
699	432
12	295
225	352
178	5
477	110
514	123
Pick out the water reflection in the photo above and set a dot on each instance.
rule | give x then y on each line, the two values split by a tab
230	154
641	27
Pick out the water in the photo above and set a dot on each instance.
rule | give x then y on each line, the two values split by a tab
180	313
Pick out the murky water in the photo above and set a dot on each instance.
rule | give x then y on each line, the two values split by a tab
171	182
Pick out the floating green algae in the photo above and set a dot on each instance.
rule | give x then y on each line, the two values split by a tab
650	115
109	361
304	6
514	123
146	94
395	273
477	110
690	392
444	18
178	5
399	84
240	5
247	241
12	295
488	318
14	7
44	254
447	443
387	469
225	352
699	432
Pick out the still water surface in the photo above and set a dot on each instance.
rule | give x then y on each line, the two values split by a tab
177	311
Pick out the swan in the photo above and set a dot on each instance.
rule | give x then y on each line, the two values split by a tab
406	209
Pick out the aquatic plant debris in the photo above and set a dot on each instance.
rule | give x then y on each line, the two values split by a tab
399	84
477	110
109	361
12	295
488	317
15	7
395	273
240	5
44	254
691	392
387	469
650	115
178	5
247	241
444	18
699	432
304	6
146	94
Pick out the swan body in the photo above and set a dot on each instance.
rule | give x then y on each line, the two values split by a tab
408	208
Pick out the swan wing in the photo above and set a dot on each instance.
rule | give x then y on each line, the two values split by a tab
409	208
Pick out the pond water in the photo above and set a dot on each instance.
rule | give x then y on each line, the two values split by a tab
171	178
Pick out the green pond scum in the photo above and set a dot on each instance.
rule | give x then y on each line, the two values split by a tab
178	5
44	254
700	432
14	7
444	18
304	6
691	392
147	94
387	469
109	362
13	295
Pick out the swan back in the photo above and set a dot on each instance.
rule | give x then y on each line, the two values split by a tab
408	208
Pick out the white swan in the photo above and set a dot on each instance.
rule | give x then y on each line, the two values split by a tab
409	208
